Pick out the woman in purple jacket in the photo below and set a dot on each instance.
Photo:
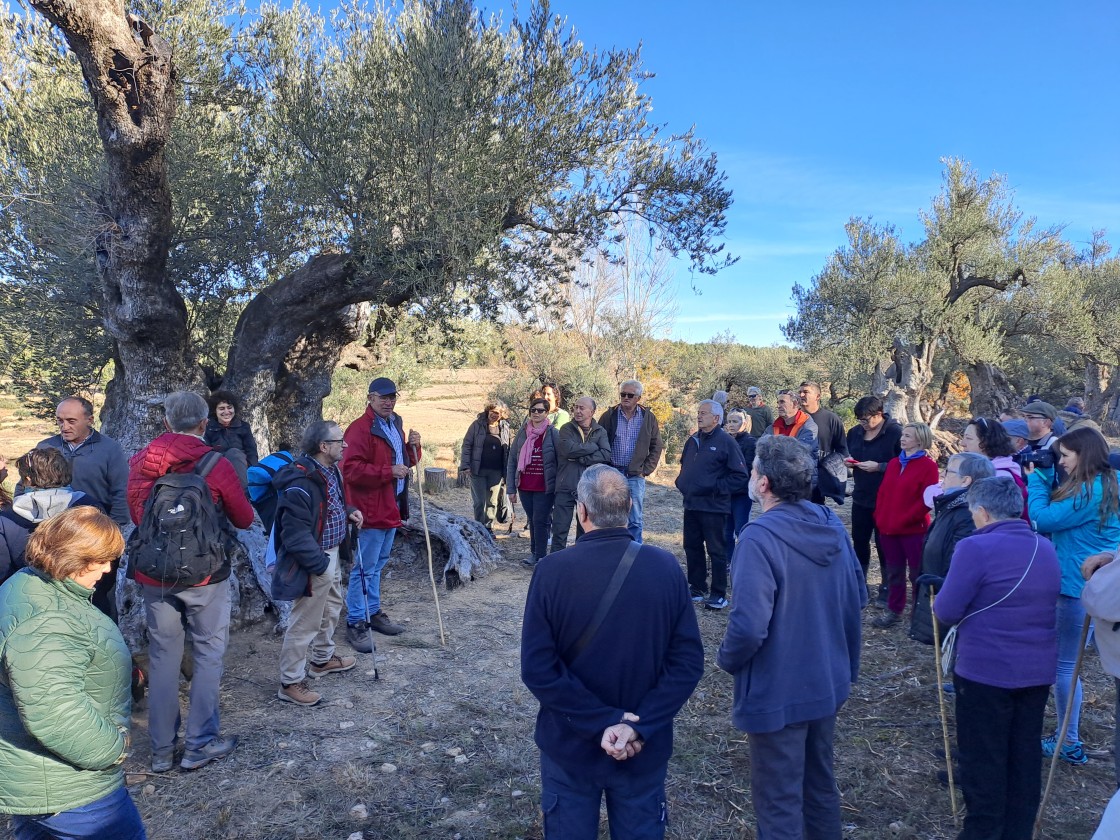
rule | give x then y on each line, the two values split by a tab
1001	592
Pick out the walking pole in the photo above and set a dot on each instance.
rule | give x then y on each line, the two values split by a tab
365	598
1061	739
944	716
428	540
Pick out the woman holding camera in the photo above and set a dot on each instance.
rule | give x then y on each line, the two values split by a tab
1081	517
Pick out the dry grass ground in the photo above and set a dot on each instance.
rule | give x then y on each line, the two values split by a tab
442	745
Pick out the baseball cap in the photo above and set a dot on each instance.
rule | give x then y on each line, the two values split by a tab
753	391
1040	409
382	386
1016	428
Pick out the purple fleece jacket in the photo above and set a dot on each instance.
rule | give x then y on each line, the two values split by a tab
1013	644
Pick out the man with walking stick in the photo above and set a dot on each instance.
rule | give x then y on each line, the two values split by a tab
792	642
375	467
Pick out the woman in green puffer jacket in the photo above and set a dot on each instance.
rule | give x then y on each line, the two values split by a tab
65	676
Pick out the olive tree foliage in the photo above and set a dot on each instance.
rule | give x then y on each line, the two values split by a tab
256	189
911	313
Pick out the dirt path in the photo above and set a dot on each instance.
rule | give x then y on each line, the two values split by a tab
442	745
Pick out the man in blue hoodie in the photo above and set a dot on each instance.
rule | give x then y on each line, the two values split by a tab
792	643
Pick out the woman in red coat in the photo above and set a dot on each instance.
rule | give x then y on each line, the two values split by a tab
902	517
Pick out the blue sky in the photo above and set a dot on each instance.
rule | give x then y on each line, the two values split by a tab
821	111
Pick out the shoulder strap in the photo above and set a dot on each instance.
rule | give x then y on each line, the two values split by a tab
605	603
206	463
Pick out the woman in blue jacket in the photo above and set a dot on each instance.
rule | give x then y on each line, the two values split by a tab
1081	517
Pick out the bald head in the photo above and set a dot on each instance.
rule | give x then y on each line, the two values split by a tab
604	498
583	412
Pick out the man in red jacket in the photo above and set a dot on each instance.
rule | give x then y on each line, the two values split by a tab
205	606
375	469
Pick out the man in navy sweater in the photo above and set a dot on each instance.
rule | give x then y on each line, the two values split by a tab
792	643
608	701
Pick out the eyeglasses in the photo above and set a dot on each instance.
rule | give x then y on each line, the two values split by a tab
626	396
340	440
866	421
386	397
952	472
538	411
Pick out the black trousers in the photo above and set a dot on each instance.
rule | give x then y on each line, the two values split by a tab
706	530
998	732
562	513
863	530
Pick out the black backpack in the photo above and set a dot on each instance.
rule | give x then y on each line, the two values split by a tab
181	539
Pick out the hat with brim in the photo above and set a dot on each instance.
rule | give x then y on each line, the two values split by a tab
1039	409
1017	428
382	386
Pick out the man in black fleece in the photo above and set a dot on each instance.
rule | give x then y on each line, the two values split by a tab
606	719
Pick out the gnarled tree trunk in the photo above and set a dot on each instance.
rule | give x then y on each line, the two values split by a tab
990	392
902	384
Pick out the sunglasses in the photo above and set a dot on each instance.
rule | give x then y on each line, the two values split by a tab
626	396
538	411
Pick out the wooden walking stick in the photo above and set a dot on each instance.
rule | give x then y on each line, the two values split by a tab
1061	739
944	716
428	540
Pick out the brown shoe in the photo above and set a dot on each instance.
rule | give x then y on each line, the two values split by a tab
299	693
335	665
381	623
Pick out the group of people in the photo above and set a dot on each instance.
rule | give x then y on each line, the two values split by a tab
610	642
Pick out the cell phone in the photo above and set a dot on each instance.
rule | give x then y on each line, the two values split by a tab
851	462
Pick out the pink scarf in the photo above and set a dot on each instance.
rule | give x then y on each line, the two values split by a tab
532	435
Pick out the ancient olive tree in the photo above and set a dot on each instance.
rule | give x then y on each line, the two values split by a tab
911	313
291	174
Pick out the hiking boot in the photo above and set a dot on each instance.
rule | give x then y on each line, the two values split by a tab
381	623
887	619
335	665
699	597
218	748
530	562
162	763
881	598
357	636
1071	753
716	602
300	693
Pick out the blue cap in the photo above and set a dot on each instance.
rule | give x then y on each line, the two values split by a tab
1017	428
382	386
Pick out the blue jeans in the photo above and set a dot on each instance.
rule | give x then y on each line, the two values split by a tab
113	816
1071	615
374	545
740	515
538	510
636	808
637	502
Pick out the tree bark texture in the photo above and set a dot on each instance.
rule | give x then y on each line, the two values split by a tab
990	392
902	383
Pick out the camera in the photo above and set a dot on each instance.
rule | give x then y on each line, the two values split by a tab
1043	458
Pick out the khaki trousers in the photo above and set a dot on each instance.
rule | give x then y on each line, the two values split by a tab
312	624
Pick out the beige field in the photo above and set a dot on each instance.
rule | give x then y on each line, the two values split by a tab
442	745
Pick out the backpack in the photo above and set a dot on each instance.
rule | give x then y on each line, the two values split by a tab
261	475
181	538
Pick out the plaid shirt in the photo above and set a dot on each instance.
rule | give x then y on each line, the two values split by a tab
334	523
625	438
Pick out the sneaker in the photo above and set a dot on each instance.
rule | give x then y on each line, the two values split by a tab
162	763
699	597
335	665
381	623
887	619
357	636
300	693
218	748
716	602
530	562
1071	753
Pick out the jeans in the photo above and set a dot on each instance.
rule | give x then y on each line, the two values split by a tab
206	610
701	529
312	623
538	510
374	545
637	501
792	785
1071	616
901	553
486	491
998	730
863	531
112	816
740	516
636	808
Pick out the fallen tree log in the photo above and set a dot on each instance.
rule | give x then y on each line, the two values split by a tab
461	547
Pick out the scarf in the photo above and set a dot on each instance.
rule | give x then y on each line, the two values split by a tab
904	459
531	438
